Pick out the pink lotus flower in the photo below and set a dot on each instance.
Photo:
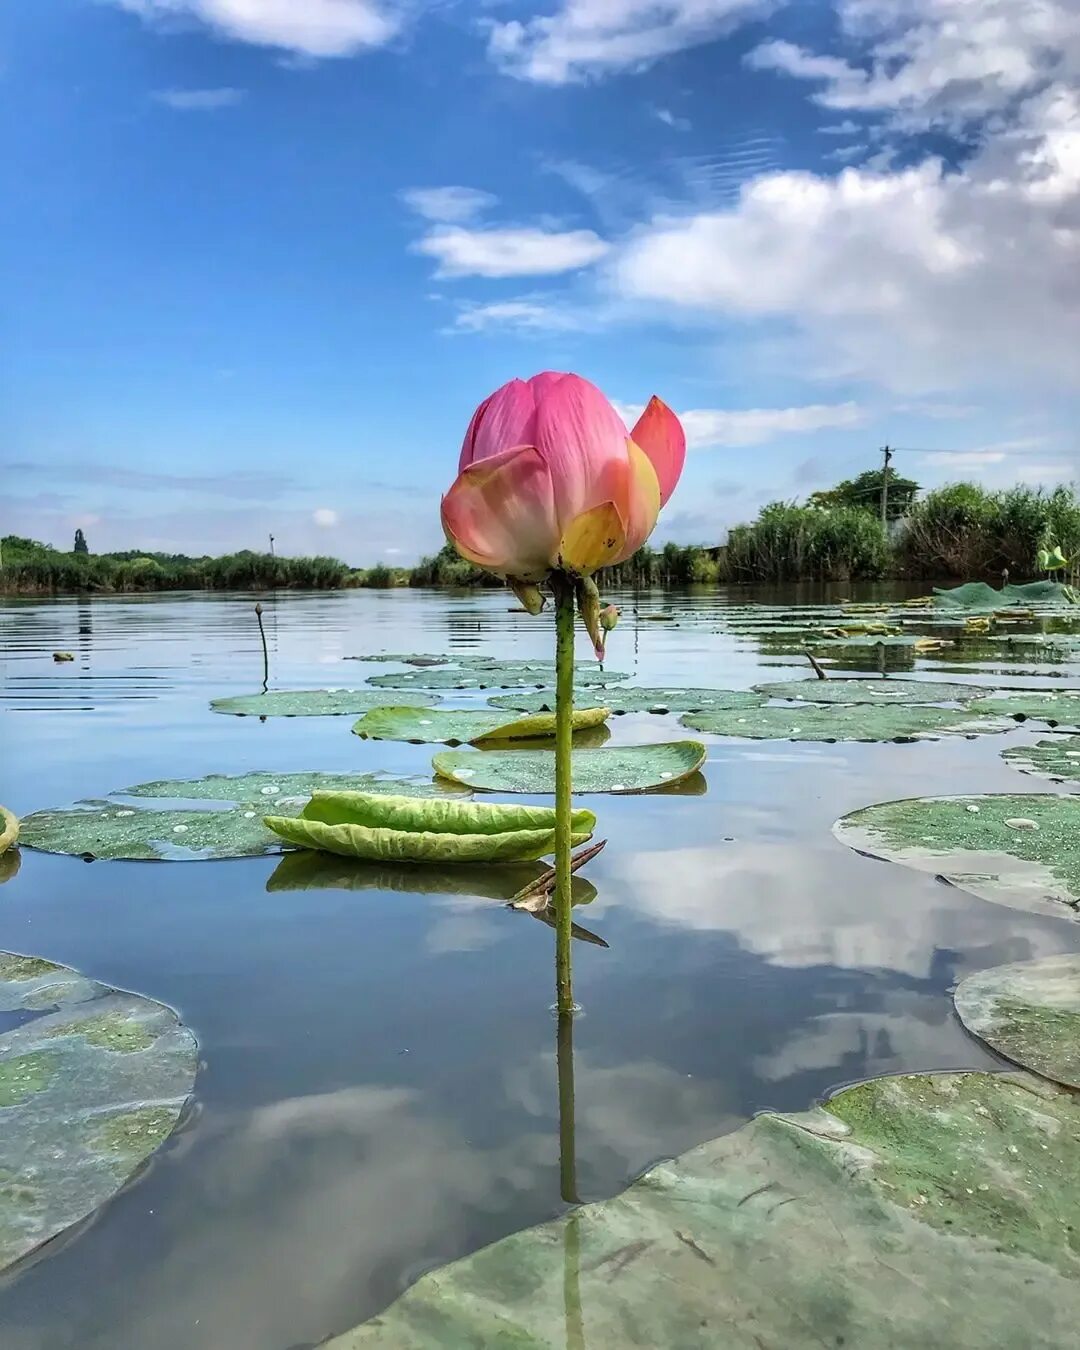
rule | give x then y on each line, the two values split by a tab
550	478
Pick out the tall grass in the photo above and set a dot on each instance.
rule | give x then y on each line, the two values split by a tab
797	543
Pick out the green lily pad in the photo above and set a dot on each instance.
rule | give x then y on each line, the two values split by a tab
101	829
309	703
630	700
879	692
410	829
1029	1012
977	595
9	830
1058	760
407	658
1021	850
256	787
933	1210
631	768
503	676
1059	707
458	726
842	722
88	1090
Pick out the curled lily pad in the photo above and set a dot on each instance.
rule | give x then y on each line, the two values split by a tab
1021	850
1059	707
930	1210
10	863
842	722
1029	1012
631	768
1058	759
880	692
89	1088
630	700
263	785
467	725
506	675
308	703
978	595
308	870
411	829
9	830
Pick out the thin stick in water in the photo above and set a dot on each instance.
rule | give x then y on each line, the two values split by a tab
266	655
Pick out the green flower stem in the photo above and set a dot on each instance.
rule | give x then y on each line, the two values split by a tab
564	708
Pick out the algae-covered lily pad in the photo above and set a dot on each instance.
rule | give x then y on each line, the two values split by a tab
928	1210
458	726
631	768
1060	707
410	829
1058	759
308	703
1030	1012
880	692
1017	849
619	701
842	722
9	830
497	675
89	1088
258	786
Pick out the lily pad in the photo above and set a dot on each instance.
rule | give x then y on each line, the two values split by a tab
9	830
631	700
89	1088
1058	759
407	658
1021	850
881	692
308	703
842	722
931	1210
1059	707
631	768
409	829
978	595
1029	1012
459	726
101	829
504	676
257	787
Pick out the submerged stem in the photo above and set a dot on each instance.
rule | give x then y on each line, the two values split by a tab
564	708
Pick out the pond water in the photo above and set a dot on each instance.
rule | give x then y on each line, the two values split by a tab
378	1088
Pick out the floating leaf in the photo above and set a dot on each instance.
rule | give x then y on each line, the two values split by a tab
1058	759
88	1090
268	788
410	829
928	1210
632	768
506	675
842	722
407	658
9	830
1029	1012
1059	707
105	830
1021	850
630	700
309	703
457	725
978	595
880	692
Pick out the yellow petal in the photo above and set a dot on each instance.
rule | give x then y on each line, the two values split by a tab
593	539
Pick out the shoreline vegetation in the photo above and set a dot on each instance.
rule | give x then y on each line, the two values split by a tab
961	531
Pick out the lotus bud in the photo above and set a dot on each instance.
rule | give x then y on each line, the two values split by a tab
529	594
588	599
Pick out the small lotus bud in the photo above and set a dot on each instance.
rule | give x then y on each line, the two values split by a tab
529	594
609	617
588	598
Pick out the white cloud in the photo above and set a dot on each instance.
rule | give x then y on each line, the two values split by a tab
198	100
311	28
707	427
325	518
671	119
531	316
510	252
845	128
449	205
964	459
596	37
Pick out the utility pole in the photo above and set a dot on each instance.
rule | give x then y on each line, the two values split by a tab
271	546
887	452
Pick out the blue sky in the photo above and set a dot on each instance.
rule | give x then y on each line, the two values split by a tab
261	258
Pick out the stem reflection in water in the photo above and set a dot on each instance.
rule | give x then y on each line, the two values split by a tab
575	1325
